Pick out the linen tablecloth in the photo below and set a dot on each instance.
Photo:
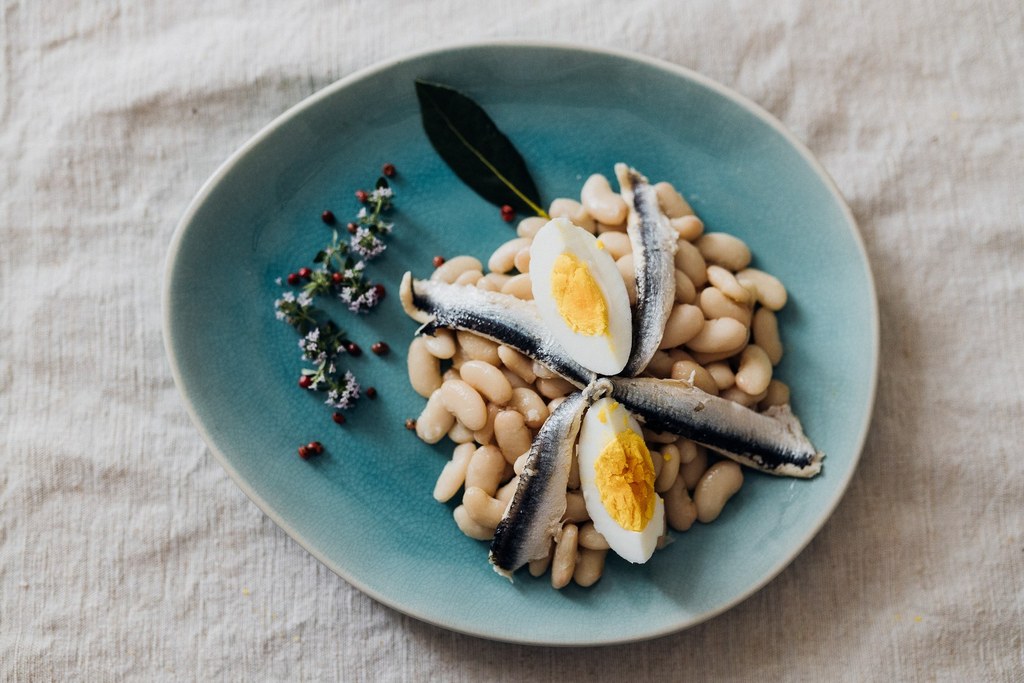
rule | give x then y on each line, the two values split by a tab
127	552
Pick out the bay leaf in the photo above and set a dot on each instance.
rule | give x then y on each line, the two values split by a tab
475	149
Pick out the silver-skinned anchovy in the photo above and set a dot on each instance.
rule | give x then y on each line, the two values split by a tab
535	514
772	442
499	317
654	247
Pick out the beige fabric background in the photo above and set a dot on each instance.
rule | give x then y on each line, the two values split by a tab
125	550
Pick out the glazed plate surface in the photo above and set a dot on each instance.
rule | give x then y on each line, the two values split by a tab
364	508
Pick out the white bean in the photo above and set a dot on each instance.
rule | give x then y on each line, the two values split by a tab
718	335
508	490
601	202
522	260
724	249
686	293
476	347
528	227
617	244
589	537
722	374
755	370
574	211
453	474
450	373
728	284
517	363
770	291
485	435
494	281
503	258
515	380
531	406
441	344
512	435
659	438
687	450
680	511
574	474
717	486
487	285
589	566
660	365
575	508
470	527
777	395
520	464
539	566
702	379
541	370
451	269
684	323
688	228
627	270
713	357
435	420
671	202
520	286
465	403
460	434
485	470
765	328
470	277
424	368
563	564
715	304
678	354
737	395
693	470
669	469
482	508
487	380
690	261
555	387
603	228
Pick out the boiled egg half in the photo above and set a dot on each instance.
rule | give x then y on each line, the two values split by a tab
617	478
581	296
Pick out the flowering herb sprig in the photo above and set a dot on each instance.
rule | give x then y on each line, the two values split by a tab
321	344
339	272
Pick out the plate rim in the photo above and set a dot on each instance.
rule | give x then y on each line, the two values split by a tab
685	73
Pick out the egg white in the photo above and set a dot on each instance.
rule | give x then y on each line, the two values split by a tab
604	354
634	546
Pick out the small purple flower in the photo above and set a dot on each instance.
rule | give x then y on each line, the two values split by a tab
346	396
381	193
367	244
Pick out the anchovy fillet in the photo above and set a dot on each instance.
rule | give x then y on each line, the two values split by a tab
773	441
535	514
500	317
654	248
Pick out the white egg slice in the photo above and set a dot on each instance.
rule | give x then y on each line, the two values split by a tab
617	478
581	297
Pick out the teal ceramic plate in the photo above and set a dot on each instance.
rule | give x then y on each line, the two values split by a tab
365	507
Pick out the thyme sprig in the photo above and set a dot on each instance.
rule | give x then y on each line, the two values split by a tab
322	343
340	273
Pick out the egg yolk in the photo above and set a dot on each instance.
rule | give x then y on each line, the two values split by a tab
580	301
624	475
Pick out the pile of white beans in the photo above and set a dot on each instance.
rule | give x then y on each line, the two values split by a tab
491	400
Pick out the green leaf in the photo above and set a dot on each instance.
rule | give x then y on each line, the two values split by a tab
475	149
